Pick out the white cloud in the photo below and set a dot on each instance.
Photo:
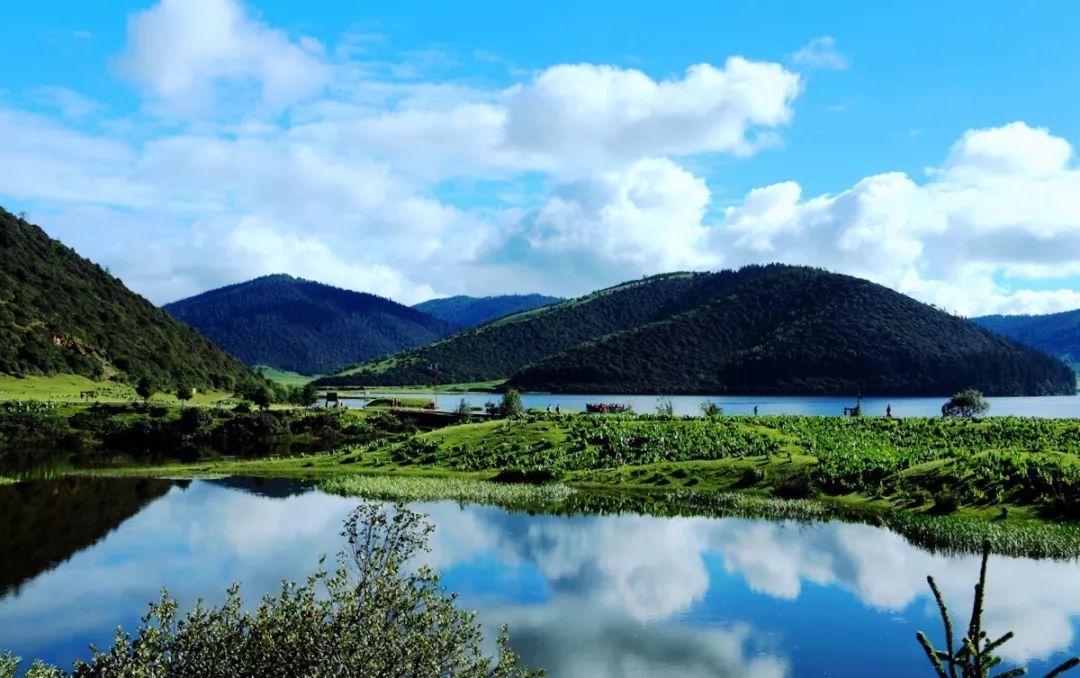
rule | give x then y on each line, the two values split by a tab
598	115
574	178
821	53
346	187
1005	203
574	120
181	50
646	218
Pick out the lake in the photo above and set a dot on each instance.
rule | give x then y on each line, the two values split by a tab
1057	407
620	595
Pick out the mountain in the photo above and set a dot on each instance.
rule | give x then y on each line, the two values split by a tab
1057	333
473	311
762	329
303	326
63	314
500	348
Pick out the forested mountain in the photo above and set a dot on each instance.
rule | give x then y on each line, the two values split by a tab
500	348
63	314
304	326
1056	333
762	329
473	311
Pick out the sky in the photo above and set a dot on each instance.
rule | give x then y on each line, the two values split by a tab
422	149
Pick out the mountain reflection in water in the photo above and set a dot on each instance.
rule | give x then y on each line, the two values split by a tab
624	595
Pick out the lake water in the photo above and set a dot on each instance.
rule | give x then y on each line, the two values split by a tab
1057	407
590	596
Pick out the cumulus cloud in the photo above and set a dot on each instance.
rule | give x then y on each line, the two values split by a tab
645	218
1005	203
595	115
180	50
821	53
576	177
350	187
574	120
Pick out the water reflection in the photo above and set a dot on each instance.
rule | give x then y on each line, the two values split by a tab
45	523
588	595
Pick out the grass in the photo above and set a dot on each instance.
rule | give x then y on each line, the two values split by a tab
284	377
1001	479
60	387
412	489
69	387
7	481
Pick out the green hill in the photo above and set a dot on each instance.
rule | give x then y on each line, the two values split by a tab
474	311
301	326
762	329
500	348
1056	333
63	314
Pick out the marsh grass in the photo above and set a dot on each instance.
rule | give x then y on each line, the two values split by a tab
938	534
418	489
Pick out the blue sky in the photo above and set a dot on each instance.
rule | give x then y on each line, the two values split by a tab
417	149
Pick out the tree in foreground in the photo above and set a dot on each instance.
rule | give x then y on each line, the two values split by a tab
969	403
974	657
511	406
375	616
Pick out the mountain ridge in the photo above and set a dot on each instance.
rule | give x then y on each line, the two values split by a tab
762	329
305	326
1055	333
467	311
61	313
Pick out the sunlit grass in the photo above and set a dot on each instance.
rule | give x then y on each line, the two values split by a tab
68	388
284	377
414	489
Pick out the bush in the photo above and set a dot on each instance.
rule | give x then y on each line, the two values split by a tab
194	418
375	615
511	406
945	502
710	409
969	403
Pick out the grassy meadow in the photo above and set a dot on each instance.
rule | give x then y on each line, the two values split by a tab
68	388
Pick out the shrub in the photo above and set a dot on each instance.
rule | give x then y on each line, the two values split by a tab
511	406
374	616
711	410
969	403
946	502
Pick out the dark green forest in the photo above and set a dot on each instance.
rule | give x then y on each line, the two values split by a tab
498	349
762	329
1056	333
63	314
475	311
304	326
790	330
